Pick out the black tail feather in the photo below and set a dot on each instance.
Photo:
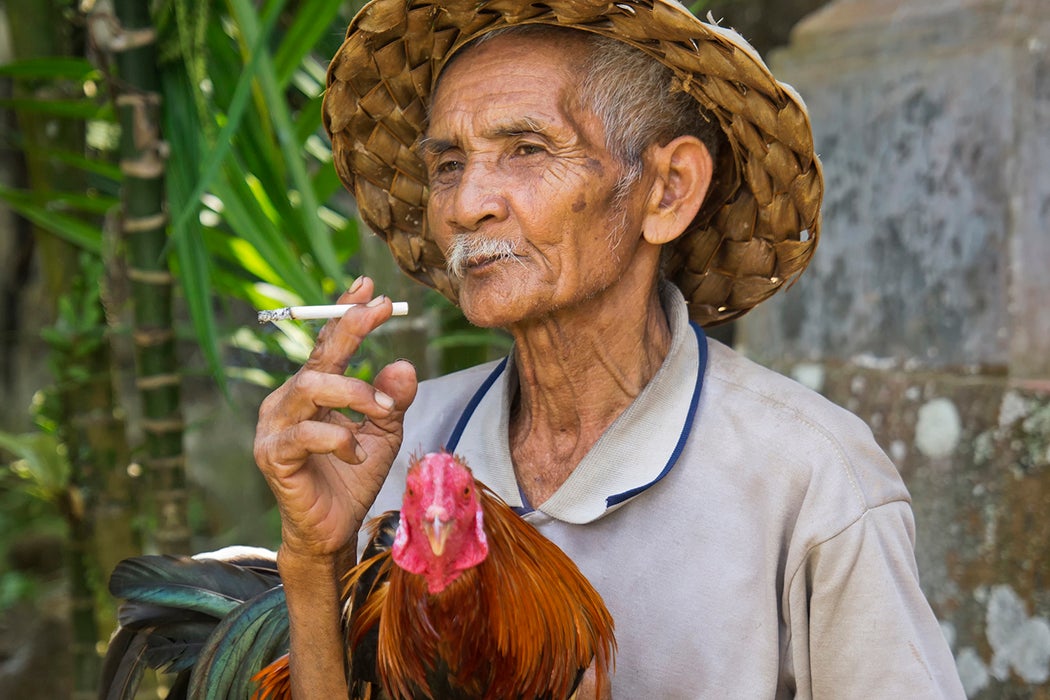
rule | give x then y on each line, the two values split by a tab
209	586
174	615
123	666
242	645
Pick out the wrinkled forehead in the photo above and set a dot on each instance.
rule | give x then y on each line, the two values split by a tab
557	44
534	69
534	36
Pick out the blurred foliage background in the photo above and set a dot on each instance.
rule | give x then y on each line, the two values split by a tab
164	174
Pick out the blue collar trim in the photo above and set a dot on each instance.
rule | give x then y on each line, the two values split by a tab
472	405
701	344
687	427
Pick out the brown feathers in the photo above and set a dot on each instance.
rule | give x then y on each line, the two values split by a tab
525	623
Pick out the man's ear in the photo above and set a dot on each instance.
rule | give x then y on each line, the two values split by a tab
683	170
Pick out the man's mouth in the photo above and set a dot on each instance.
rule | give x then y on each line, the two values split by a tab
471	252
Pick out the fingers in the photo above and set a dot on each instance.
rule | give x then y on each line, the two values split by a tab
398	382
294	421
310	395
324	468
285	452
320	384
340	338
308	392
382	434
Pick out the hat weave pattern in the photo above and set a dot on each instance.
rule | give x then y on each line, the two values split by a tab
758	227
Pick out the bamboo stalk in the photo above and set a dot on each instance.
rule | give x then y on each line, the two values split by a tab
144	232
86	419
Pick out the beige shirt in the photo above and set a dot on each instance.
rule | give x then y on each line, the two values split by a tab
749	537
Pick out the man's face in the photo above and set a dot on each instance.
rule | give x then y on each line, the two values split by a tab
522	183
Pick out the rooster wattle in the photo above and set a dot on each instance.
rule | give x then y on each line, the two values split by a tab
454	597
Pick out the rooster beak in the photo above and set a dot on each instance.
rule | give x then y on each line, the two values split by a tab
437	532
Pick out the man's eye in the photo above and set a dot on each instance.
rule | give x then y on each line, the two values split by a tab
528	149
447	166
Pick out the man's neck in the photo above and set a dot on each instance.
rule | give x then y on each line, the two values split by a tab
577	372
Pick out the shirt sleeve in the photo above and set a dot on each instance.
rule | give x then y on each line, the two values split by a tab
859	625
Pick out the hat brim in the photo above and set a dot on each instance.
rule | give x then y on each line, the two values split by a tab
759	225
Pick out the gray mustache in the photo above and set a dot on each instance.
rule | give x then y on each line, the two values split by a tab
467	248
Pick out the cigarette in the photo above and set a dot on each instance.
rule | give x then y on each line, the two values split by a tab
303	313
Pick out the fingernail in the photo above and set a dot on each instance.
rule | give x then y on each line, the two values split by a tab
405	359
384	400
361	454
377	301
357	284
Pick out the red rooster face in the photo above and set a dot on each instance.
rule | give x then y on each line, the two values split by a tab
441	533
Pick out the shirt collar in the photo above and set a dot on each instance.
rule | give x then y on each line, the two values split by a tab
640	447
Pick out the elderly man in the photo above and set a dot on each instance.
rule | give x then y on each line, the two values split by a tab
589	177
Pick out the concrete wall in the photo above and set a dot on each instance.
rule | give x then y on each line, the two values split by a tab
927	308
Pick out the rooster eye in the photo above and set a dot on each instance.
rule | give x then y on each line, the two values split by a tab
466	490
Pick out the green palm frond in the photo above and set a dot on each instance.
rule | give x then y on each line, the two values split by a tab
249	176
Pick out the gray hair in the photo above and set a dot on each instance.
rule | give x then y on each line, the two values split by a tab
634	97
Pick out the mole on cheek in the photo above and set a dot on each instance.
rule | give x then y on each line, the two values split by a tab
596	165
579	205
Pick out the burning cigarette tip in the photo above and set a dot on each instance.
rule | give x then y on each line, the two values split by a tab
275	315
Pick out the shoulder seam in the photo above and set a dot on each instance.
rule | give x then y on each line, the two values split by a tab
788	580
845	462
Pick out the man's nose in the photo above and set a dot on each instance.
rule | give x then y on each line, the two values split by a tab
479	197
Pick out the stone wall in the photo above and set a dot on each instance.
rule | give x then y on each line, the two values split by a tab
927	308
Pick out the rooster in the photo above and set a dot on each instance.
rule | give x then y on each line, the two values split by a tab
454	597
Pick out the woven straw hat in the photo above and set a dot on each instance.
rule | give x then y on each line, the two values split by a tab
760	223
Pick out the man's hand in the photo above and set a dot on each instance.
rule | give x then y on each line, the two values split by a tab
325	469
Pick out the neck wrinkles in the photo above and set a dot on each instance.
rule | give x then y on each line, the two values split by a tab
578	370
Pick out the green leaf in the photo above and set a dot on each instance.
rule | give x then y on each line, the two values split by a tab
52	67
194	266
94	166
76	201
295	341
308	122
316	233
306	31
246	220
196	283
255	377
326	183
245	256
62	225
261	295
40	459
70	109
241	93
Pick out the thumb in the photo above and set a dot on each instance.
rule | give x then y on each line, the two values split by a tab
398	381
